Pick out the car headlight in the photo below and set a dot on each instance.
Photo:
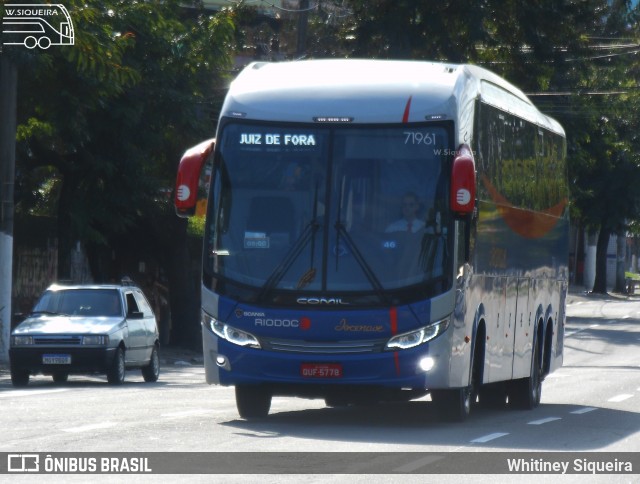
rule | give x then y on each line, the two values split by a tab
229	333
21	340
95	339
419	336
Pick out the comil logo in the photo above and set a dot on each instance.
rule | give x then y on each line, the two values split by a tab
34	25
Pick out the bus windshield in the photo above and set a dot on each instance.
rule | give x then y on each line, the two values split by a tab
312	209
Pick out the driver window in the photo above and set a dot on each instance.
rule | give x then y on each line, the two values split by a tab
132	306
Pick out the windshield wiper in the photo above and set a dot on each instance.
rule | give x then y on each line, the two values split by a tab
362	262
308	234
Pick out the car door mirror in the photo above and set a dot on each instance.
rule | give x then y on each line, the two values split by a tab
135	315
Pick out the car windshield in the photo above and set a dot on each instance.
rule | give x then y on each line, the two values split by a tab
80	302
333	209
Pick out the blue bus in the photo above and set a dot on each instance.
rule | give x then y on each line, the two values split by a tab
380	231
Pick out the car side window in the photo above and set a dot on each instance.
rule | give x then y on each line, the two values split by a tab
143	304
132	305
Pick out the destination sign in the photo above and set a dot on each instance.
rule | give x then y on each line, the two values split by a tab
277	139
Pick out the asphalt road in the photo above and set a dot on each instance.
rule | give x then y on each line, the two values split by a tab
590	405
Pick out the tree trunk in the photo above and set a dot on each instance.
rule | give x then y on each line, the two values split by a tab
64	229
184	295
600	284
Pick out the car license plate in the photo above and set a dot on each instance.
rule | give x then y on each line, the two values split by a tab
321	370
56	359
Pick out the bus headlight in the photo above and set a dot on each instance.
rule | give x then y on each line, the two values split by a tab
229	333
419	336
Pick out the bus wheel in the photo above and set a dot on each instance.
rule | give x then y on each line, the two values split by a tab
454	405
493	396
253	401
30	42
525	393
44	42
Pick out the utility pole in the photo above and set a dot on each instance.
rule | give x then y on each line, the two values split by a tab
303	22
8	97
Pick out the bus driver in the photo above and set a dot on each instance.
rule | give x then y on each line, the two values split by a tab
409	222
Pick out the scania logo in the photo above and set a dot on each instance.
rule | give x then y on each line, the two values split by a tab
241	313
314	301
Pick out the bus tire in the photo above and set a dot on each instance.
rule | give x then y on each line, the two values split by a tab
30	42
456	404
525	393
44	43
493	396
253	401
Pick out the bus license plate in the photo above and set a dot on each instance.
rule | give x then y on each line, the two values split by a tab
321	370
56	359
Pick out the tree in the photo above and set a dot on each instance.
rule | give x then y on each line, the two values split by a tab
604	160
576	58
108	119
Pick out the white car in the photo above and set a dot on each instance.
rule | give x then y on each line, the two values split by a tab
87	329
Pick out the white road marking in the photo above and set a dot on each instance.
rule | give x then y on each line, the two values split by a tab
543	421
487	438
417	464
583	410
620	398
26	393
87	428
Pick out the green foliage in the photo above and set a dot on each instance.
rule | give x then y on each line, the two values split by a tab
195	227
109	117
545	48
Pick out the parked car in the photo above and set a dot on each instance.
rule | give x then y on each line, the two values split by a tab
87	329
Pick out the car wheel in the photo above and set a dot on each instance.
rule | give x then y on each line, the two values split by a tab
60	376
19	377
253	401
115	374
151	372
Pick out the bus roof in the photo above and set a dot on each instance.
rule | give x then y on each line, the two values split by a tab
371	91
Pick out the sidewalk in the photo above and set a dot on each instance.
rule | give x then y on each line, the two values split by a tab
577	293
173	355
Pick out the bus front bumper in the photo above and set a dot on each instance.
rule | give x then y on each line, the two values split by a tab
424	367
